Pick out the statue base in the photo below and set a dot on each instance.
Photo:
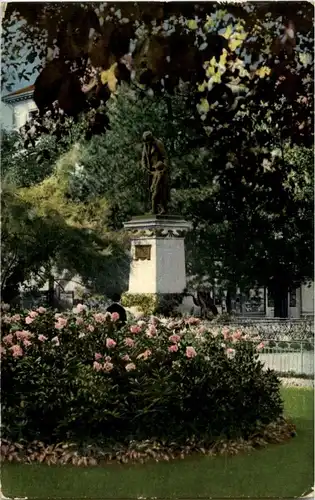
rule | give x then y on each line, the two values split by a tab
158	254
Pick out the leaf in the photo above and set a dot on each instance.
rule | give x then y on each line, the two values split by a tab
263	71
228	32
222	61
108	77
192	24
202	87
234	43
305	58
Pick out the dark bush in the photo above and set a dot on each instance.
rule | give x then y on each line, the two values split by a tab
83	381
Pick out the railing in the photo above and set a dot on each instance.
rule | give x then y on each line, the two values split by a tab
285	330
296	357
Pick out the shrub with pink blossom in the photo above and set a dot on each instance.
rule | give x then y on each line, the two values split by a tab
79	376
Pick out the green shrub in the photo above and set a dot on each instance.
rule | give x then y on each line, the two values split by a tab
72	384
154	303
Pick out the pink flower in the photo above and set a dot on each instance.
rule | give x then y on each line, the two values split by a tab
62	321
97	356
97	366
29	320
154	320
152	330
174	338
79	321
190	352
193	321
130	367
260	346
91	328
115	316
202	329
237	335
6	319
135	329
79	308
226	333
230	353
145	354
42	338
107	367
27	343
99	317
24	334
2	350
8	339
110	343
33	314
16	351
41	310
126	357
173	348
16	317
129	342
55	340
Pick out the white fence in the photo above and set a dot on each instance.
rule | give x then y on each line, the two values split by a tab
285	357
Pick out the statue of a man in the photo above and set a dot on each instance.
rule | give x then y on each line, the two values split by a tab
154	161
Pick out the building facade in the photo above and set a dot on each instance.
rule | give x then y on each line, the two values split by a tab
17	108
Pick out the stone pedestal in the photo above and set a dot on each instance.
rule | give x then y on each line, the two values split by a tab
158	254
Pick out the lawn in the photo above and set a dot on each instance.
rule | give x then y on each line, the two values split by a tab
284	470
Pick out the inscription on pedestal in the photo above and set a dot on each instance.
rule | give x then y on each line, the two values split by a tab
142	252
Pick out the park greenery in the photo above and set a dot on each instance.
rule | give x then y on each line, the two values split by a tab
152	380
234	110
229	91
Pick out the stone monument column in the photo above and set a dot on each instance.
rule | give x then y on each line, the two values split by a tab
158	254
157	269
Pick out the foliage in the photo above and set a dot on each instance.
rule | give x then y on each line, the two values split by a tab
245	193
229	55
145	302
111	163
42	229
77	377
150	303
93	454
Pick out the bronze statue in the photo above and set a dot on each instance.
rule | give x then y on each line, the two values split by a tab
154	161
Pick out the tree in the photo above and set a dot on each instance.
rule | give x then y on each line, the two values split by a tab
42	230
248	194
86	50
247	72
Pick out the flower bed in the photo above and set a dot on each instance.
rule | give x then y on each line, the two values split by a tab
78	377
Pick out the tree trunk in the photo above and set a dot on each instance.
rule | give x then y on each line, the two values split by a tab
51	291
228	302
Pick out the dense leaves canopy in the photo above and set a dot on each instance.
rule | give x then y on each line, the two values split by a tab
242	52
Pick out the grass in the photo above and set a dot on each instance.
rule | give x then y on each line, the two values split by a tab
284	470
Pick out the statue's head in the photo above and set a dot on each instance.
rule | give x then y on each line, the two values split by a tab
147	136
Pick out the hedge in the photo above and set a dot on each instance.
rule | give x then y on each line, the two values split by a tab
78	377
